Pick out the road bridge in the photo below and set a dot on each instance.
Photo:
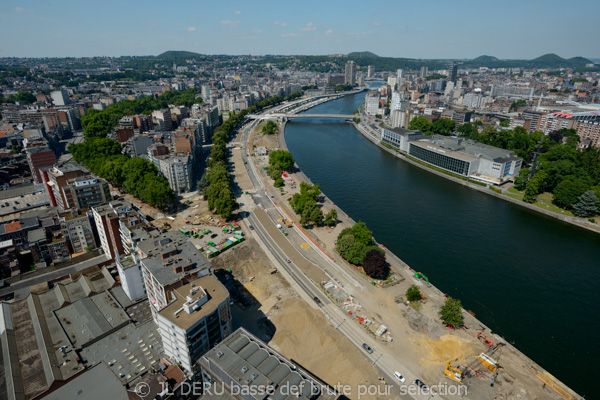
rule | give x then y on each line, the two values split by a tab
299	116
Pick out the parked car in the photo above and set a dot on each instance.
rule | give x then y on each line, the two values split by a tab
214	235
420	384
368	348
251	227
287	260
399	376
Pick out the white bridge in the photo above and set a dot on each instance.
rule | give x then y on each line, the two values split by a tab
296	116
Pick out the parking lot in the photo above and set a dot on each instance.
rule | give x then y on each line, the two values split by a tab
205	236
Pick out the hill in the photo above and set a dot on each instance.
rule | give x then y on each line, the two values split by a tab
484	59
362	54
579	61
178	54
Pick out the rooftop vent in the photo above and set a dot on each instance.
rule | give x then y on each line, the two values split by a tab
244	369
219	354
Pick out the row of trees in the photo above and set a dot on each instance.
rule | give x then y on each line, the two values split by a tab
356	245
305	204
270	128
442	126
97	123
216	184
135	176
23	97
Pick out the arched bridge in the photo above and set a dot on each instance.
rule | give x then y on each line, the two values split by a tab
296	116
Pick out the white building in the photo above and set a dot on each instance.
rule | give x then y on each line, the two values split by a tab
60	97
372	103
130	275
198	318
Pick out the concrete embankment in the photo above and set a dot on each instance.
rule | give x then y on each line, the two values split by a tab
483	189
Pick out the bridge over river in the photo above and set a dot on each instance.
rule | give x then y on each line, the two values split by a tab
296	116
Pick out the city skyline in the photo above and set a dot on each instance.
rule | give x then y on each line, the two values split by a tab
432	31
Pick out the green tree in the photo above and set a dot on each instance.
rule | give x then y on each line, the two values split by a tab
345	244
587	205
331	217
316	216
25	97
567	193
413	293
521	179
420	123
468	130
374	264
362	234
270	128
278	182
281	159
443	126
534	187
203	184
451	312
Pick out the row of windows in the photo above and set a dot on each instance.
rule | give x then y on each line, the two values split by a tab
440	160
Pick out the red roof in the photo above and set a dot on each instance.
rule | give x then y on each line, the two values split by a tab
12	227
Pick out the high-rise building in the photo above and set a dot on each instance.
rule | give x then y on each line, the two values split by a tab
350	75
453	72
372	102
107	218
197	319
40	158
163	119
60	97
423	72
168	262
370	71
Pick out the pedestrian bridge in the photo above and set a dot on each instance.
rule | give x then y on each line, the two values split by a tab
298	116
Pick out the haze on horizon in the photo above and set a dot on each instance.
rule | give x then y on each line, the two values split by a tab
433	30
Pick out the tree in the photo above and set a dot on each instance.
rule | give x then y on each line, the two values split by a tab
202	185
567	193
345	244
25	97
281	159
413	293
467	130
420	123
278	182
587	206
362	234
443	126
316	216
374	264
270	128
331	217
451	312
521	180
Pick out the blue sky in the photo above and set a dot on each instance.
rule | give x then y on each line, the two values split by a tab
414	29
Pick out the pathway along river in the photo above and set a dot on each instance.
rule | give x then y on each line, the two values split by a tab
530	278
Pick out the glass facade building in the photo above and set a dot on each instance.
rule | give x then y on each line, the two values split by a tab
440	160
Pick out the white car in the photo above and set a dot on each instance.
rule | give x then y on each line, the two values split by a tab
399	376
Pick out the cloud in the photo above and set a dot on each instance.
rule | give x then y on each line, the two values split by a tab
238	12
18	9
281	24
191	29
376	23
329	31
292	35
309	27
229	23
256	31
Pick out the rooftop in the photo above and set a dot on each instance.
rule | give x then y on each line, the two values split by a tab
97	383
246	360
169	267
194	301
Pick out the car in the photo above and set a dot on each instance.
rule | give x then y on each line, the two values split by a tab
288	260
214	235
368	348
399	376
316	299
420	384
251	227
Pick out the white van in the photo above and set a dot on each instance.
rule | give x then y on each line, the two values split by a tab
399	376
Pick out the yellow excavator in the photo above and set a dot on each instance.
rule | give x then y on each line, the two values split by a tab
453	373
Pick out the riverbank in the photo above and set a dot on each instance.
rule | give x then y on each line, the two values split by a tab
515	367
580	222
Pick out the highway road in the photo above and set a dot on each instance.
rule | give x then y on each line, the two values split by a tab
262	214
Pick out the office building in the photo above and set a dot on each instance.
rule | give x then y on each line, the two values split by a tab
423	72
197	318
40	158
372	103
350	75
453	73
468	158
370	71
243	360
60	97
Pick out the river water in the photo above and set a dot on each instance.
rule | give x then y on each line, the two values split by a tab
530	278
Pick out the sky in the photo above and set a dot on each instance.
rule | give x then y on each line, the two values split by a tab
507	29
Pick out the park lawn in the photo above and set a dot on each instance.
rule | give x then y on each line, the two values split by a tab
544	201
512	189
259	127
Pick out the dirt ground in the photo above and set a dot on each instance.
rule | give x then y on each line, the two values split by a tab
260	139
300	332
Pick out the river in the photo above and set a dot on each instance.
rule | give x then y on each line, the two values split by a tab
530	278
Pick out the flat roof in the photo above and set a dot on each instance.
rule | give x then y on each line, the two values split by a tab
97	383
214	290
243	359
429	145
